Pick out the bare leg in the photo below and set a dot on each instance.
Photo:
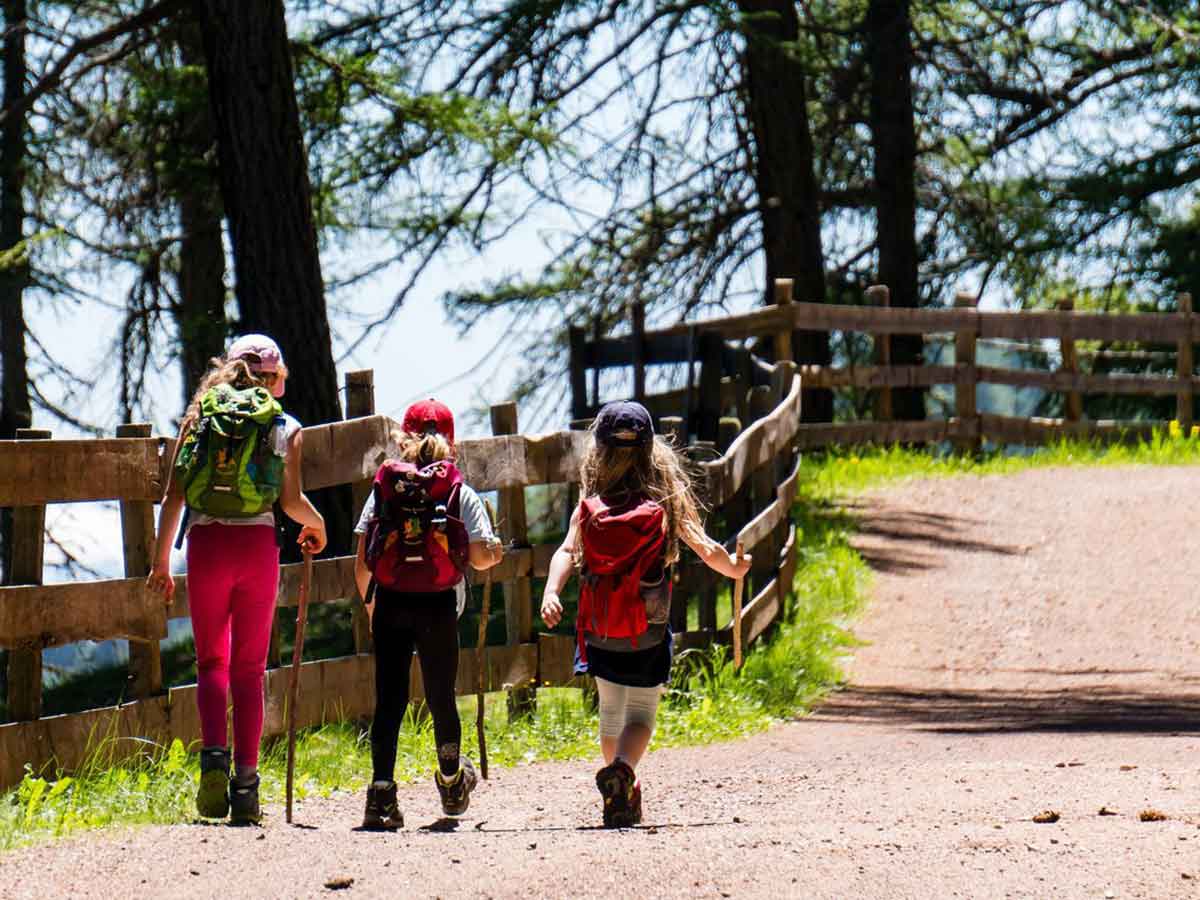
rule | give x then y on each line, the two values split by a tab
631	746
608	748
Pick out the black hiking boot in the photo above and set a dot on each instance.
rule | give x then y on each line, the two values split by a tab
243	804
382	812
622	796
212	796
456	790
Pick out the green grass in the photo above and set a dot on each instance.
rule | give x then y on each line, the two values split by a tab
846	471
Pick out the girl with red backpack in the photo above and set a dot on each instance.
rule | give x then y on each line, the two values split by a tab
624	536
418	531
237	455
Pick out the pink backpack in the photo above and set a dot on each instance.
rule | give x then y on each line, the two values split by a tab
416	539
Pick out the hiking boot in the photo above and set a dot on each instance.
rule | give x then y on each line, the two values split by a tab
212	797
622	797
456	790
382	812
243	804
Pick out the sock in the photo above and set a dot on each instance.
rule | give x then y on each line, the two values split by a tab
245	775
448	760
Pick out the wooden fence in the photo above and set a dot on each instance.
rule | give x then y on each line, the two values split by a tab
727	368
750	488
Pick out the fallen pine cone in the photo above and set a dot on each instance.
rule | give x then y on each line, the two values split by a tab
1152	815
339	884
1105	811
1046	817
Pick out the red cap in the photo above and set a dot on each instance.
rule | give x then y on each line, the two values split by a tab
426	415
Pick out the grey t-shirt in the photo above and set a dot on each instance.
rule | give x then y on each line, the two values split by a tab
471	508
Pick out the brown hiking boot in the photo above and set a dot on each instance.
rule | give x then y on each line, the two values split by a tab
456	790
382	814
622	796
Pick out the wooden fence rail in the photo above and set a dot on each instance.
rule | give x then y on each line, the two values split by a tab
1057	331
750	489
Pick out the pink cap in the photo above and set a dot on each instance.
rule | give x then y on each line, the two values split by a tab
258	350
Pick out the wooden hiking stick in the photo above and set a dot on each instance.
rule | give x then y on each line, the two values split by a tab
294	686
480	650
738	586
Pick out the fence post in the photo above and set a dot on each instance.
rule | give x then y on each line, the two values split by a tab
137	533
762	492
637	316
360	402
966	377
577	354
1073	400
880	295
29	544
1185	368
518	594
783	337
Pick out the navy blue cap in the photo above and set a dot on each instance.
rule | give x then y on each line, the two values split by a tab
624	423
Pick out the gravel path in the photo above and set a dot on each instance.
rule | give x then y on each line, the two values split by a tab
1031	646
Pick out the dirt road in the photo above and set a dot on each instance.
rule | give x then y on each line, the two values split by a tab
1031	647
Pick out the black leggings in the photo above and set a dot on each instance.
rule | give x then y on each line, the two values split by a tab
428	623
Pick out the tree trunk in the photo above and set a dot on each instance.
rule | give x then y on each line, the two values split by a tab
894	141
200	313
266	193
15	411
776	105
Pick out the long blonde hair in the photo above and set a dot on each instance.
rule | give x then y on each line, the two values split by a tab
656	472
235	372
422	449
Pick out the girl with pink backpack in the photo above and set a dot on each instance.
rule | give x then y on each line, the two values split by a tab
419	530
623	538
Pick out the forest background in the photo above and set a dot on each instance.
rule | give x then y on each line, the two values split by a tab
439	189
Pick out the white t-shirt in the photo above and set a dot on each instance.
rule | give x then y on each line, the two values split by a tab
280	436
474	516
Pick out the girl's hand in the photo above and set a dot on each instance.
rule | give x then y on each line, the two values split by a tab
740	568
552	609
312	538
160	582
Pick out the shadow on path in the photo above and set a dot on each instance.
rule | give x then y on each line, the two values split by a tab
1086	709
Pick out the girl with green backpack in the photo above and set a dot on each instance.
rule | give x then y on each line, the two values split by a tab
237	455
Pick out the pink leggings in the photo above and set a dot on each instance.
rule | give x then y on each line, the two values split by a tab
233	575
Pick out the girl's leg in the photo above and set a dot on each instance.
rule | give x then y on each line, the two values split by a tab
210	584
393	647
626	720
437	648
612	698
257	560
641	707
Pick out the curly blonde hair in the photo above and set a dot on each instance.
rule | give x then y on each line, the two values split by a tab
657	472
235	372
422	449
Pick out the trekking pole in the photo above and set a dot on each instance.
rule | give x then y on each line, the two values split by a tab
738	586
480	649
294	686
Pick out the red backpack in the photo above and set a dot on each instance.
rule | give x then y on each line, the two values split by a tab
622	545
416	539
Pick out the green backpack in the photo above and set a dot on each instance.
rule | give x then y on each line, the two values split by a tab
227	464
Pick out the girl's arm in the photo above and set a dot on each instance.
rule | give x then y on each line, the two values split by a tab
561	564
713	554
169	513
298	507
485	554
362	575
